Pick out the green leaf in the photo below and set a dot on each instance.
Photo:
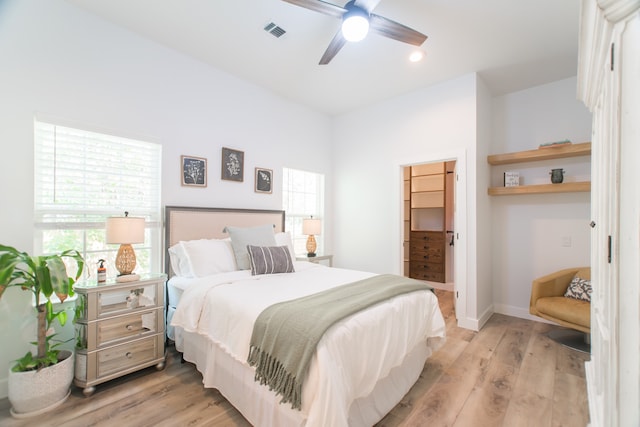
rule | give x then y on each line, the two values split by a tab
49	311
58	275
62	317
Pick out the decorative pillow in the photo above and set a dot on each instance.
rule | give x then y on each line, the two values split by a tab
270	260
204	257
579	289
284	239
256	236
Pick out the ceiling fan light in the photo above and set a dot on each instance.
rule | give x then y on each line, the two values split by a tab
416	56
355	27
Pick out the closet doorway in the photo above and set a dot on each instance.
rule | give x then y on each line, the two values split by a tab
461	281
429	198
429	223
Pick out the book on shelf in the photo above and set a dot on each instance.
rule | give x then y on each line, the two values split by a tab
555	144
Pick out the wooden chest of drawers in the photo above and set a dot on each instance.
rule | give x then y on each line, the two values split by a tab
119	329
427	255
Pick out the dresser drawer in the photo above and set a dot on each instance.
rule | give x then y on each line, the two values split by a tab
109	331
108	301
431	237
435	267
125	356
427	255
428	275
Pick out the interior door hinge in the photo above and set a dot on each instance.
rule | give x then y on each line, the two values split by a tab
612	54
456	294
609	256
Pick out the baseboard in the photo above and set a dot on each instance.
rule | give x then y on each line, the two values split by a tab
476	324
522	313
468	323
484	318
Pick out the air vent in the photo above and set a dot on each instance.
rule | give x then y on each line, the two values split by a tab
274	30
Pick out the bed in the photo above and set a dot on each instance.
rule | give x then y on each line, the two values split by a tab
362	366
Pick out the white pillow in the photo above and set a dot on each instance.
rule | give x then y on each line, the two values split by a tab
284	239
179	261
256	236
204	257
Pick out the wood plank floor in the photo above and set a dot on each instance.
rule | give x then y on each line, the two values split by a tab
508	374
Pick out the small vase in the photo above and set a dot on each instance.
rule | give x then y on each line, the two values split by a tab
557	175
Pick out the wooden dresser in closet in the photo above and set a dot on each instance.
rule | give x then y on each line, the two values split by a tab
427	236
427	255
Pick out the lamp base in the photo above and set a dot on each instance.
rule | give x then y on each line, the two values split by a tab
311	254
127	278
311	245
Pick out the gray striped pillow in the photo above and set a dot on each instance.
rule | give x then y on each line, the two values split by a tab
270	260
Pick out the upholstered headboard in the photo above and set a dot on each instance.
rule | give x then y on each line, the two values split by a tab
189	223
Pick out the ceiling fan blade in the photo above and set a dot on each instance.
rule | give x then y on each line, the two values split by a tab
388	28
367	5
334	47
320	6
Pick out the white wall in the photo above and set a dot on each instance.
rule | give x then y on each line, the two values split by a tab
374	143
60	62
483	297
527	231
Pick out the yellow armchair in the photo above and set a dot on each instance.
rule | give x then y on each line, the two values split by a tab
548	300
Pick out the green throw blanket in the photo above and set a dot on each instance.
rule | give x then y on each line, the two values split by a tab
286	334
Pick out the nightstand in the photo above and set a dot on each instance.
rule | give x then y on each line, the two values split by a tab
119	329
316	259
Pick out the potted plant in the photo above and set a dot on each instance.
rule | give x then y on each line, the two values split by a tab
42	381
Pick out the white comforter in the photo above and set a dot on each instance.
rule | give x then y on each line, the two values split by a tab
224	308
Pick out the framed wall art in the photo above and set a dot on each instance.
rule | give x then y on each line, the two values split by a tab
232	165
264	180
194	171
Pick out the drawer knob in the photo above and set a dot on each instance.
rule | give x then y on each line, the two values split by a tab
129	355
426	257
129	327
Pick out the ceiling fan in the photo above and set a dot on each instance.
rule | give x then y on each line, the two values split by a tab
357	20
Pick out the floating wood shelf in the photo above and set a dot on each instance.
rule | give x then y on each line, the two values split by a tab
567	187
549	153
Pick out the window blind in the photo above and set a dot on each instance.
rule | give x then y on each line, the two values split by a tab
302	197
82	177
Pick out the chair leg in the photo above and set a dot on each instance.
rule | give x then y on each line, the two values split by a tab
571	338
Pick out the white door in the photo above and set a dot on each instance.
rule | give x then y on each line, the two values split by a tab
609	84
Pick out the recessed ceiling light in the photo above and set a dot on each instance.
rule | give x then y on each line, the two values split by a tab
416	56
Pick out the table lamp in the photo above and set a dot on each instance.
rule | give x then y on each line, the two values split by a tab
125	230
311	227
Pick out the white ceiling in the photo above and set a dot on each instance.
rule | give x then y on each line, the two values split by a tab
512	44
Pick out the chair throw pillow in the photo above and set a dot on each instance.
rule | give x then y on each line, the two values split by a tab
270	260
579	289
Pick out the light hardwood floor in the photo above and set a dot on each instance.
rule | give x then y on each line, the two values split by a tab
508	374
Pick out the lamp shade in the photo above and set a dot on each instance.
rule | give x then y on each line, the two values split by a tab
311	227
125	230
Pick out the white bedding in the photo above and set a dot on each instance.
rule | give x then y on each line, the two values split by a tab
350	359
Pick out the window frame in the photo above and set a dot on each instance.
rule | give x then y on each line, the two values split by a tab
309	198
89	217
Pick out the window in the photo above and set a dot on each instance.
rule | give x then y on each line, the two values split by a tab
302	197
83	177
